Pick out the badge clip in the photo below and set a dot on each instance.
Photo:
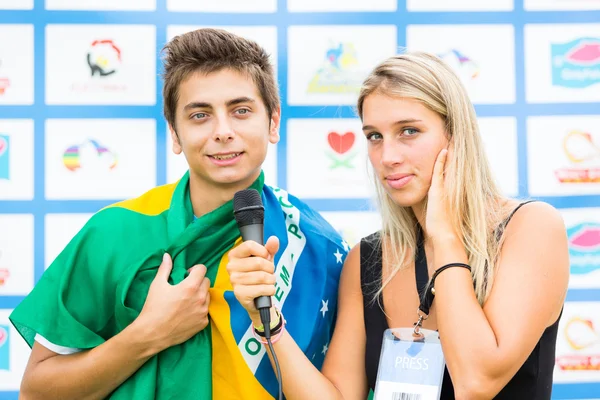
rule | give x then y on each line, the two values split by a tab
419	324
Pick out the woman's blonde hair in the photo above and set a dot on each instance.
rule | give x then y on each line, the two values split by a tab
476	206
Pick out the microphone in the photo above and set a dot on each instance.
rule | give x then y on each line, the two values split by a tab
249	214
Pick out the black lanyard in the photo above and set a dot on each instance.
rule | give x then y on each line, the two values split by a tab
425	290
422	278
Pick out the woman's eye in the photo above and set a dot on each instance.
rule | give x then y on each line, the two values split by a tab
410	132
374	136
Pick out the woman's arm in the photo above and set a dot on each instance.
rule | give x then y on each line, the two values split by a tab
484	348
343	376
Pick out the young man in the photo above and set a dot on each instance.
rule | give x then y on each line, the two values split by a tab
139	305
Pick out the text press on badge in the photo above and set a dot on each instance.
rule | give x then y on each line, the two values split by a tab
411	366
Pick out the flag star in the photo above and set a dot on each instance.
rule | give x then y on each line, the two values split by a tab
325	307
338	256
313	357
346	246
325	348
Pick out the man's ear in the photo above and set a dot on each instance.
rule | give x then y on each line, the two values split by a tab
274	126
175	138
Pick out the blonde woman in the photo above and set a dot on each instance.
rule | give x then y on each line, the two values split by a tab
501	266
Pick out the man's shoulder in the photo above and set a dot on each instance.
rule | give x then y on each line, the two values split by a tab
311	220
151	203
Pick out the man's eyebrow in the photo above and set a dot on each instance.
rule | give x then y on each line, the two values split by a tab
240	100
197	104
232	102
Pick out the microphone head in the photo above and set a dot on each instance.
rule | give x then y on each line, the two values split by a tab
248	208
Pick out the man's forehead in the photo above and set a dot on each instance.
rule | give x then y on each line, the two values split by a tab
217	90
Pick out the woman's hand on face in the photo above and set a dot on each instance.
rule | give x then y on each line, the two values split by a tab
437	221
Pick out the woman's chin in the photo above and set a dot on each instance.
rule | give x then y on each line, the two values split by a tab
405	199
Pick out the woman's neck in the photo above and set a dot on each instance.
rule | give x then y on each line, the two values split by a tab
420	213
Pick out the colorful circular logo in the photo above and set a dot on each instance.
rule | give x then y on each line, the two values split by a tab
3	145
3	336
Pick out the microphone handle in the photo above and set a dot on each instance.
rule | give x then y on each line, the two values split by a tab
262	302
255	232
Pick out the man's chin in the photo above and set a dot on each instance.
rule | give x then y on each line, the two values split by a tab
228	180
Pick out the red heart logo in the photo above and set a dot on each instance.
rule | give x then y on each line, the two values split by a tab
3	145
341	143
4	275
3	335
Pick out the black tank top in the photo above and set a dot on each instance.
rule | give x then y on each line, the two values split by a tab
533	381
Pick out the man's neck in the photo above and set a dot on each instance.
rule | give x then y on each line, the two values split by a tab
206	197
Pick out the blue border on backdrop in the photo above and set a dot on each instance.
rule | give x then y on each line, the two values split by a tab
281	19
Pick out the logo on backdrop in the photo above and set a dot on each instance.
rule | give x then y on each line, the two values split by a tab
576	64
89	156
584	247
4	272
4	348
584	155
103	57
4	156
4	81
340	149
340	72
465	67
104	60
581	334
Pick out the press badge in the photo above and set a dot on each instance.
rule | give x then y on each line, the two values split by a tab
411	367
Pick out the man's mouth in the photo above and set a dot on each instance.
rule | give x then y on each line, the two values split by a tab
227	156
